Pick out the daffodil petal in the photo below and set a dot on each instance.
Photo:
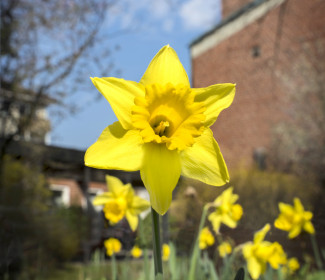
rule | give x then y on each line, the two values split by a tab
102	199
297	205
116	148
254	267
259	235
203	161
295	231
165	68
160	173
308	226
228	221
132	219
139	205
215	98
116	186
120	94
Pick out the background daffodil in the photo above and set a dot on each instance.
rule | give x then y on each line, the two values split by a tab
165	252
206	238
226	212
260	252
224	249
291	266
112	246
121	202
136	252
162	129
294	219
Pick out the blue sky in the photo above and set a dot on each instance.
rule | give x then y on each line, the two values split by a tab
155	23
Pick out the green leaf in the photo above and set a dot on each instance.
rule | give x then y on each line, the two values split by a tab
240	275
159	276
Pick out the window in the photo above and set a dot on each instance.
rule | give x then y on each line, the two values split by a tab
92	194
60	195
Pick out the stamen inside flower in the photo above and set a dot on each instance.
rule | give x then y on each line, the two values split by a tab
168	115
161	127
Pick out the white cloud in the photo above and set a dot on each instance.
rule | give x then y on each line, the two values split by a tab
198	14
159	8
130	13
168	25
164	14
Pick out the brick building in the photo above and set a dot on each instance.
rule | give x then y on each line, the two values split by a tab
274	50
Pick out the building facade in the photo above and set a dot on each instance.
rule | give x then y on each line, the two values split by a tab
274	50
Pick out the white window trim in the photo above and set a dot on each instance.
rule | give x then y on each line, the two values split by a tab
92	191
65	193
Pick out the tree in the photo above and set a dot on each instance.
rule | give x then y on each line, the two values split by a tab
46	49
46	46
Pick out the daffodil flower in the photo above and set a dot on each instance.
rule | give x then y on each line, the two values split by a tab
121	202
112	246
136	252
165	252
206	238
291	267
260	252
226	212
294	219
162	129
224	249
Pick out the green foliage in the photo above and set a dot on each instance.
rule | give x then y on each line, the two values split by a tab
268	189
318	275
35	235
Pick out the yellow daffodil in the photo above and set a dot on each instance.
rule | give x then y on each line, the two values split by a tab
294	219
226	211
162	129
224	249
112	246
136	252
165	252
260	252
206	238
291	267
276	256
121	202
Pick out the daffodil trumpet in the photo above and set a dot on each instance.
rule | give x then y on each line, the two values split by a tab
162	128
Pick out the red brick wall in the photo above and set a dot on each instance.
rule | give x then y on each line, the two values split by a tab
291	39
76	196
230	6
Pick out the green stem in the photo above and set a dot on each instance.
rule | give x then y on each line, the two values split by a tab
196	249
316	252
113	267
156	244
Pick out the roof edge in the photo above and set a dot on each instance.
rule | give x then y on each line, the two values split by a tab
232	24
